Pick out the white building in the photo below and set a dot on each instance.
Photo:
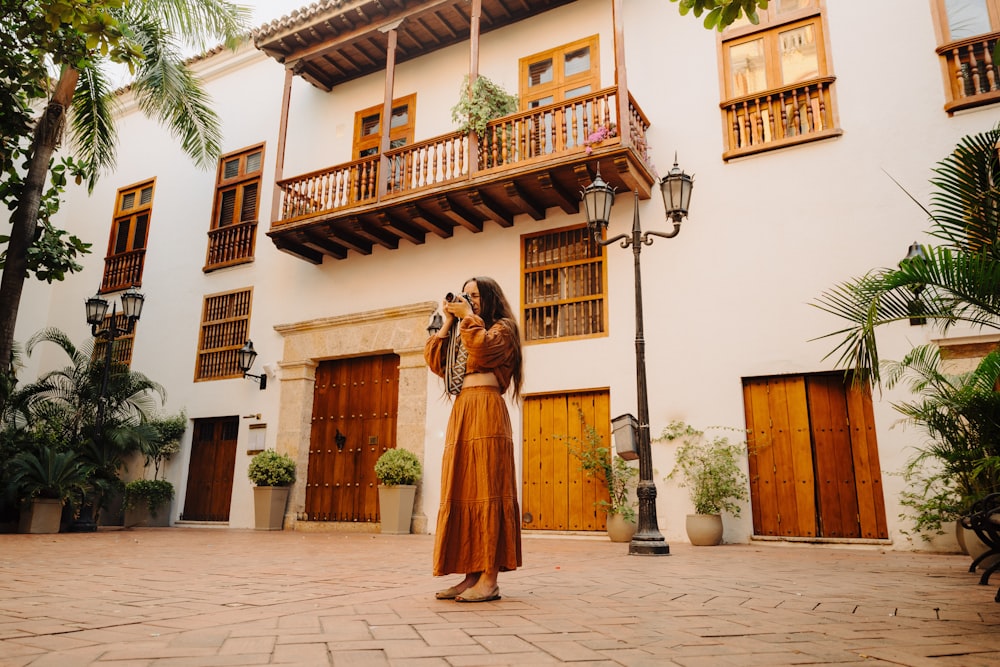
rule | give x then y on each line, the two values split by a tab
331	258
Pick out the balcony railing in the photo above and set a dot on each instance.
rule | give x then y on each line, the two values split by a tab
123	270
973	77
229	245
780	117
523	139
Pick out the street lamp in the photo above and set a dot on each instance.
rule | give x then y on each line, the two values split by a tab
598	199
915	253
245	357
97	307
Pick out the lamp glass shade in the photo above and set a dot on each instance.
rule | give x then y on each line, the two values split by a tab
245	356
132	301
437	322
915	251
97	308
625	430
676	189
598	198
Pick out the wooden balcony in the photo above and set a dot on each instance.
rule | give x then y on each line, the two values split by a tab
123	270
973	79
230	245
779	118
524	164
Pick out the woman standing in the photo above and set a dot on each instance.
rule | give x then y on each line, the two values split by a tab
478	353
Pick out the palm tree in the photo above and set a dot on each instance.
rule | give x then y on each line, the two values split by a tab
147	36
956	281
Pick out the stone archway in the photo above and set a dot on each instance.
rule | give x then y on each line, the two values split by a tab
401	331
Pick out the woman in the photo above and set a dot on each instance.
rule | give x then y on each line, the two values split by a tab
478	353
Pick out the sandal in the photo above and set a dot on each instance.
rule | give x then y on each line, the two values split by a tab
448	593
475	597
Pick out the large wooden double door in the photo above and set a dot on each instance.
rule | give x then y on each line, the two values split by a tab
354	420
813	458
555	493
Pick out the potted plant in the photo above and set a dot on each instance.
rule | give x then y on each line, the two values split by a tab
616	474
45	480
397	471
147	501
272	474
477	105
710	470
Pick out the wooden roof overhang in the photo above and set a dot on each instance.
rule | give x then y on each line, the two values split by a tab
486	198
334	41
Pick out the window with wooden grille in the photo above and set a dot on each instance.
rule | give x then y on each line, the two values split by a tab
121	351
967	34
777	79
129	231
225	323
564	285
233	233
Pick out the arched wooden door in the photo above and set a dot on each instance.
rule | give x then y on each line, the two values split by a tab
354	420
556	495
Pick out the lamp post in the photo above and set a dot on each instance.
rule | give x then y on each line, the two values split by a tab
97	308
598	199
245	357
915	253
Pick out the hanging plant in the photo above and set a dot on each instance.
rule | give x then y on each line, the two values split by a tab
485	101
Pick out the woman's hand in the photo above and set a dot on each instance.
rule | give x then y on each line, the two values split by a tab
458	308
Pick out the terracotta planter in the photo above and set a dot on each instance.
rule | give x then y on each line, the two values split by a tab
975	548
704	530
269	506
620	529
43	515
395	508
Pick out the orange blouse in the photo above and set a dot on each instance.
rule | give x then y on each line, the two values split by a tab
492	350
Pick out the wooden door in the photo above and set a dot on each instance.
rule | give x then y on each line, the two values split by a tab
813	458
210	471
354	420
556	495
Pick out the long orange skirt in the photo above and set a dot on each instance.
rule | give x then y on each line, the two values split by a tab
479	523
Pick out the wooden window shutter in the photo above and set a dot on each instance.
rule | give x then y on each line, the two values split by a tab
226	208
248	209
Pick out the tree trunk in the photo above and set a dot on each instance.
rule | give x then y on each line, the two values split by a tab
48	133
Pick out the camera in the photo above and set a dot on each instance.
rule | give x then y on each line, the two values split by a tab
450	297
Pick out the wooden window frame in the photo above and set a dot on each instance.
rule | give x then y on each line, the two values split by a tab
968	78
123	269
404	132
234	242
219	361
560	82
121	353
782	114
535	265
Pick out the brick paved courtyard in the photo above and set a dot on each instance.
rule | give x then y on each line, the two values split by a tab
189	596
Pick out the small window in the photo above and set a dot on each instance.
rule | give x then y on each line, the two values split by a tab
225	323
126	256
564	285
968	32
368	127
777	80
233	234
560	74
121	352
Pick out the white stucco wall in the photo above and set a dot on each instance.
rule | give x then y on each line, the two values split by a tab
727	299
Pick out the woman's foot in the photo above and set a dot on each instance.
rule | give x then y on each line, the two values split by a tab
454	591
472	595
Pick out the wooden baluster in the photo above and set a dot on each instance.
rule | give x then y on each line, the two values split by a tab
974	67
821	99
990	66
758	123
956	57
746	126
734	135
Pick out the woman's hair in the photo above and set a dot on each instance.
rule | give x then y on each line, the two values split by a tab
493	307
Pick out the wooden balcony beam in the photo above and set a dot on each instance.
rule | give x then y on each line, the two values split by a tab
297	250
324	244
527	204
351	241
625	174
570	203
374	234
457	214
402	229
492	210
429	221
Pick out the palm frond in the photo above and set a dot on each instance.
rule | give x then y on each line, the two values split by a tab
92	127
203	21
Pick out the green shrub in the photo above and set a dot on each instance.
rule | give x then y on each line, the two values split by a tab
155	493
398	466
269	468
709	468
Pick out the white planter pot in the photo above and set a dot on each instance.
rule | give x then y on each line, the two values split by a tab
620	530
42	516
269	506
704	530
